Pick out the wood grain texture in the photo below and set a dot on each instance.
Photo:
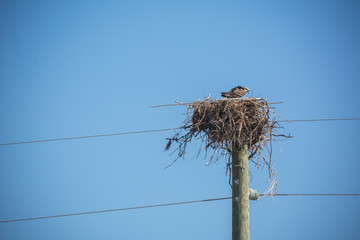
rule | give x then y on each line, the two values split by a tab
240	192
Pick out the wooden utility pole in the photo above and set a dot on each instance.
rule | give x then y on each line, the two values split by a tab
240	191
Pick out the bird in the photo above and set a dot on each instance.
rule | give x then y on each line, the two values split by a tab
236	92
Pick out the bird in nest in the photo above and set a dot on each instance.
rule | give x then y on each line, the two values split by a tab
236	92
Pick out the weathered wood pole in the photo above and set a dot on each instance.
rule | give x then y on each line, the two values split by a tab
240	191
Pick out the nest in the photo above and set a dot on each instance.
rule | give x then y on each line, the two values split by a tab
220	124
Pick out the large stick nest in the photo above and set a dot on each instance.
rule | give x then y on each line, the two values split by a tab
219	124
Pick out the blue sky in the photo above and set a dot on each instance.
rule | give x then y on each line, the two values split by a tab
76	68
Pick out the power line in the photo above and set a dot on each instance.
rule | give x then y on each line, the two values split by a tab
176	203
161	130
187	104
321	120
115	210
90	136
311	194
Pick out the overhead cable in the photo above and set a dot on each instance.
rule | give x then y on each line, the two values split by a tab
90	136
161	130
172	204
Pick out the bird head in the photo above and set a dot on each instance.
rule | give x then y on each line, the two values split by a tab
242	88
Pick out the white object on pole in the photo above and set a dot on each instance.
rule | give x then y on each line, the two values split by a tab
253	194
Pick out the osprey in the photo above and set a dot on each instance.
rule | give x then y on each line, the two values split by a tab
236	92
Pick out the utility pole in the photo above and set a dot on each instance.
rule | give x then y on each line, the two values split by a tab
240	191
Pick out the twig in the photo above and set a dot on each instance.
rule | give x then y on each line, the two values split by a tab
281	116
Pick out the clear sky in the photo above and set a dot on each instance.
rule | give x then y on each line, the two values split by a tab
77	68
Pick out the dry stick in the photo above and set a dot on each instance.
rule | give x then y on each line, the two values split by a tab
281	116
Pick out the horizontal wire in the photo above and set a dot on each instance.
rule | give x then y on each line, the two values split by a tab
90	136
321	120
311	194
185	104
161	130
114	210
176	203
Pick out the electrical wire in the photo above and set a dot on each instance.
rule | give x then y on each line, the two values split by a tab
187	104
90	136
176	203
161	130
321	120
115	210
311	194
